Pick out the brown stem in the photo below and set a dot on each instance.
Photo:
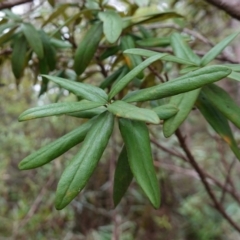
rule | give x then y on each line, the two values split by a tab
194	164
10	4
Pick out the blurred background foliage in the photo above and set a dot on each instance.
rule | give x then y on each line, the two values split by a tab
26	198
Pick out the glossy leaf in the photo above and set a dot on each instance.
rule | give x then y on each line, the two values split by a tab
186	83
122	178
149	53
133	73
184	102
83	90
57	148
182	50
81	167
57	109
217	49
88	113
33	38
112	25
136	138
125	110
87	48
218	122
166	111
223	102
19	53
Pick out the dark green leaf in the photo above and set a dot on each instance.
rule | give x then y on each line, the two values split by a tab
166	111
88	113
81	167
136	138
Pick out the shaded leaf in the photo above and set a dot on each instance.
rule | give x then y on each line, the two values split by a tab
122	178
166	111
88	113
136	138
185	83
125	110
81	167
57	148
8	35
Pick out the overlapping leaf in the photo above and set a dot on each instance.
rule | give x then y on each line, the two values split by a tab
166	111
81	167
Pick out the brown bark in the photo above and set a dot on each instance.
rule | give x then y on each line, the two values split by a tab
9	4
231	7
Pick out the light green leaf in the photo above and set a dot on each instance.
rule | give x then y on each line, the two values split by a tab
234	76
112	25
221	100
149	53
188	69
57	148
125	110
185	83
18	59
33	38
184	102
166	111
136	138
133	73
122	178
234	67
182	50
57	109
59	43
87	48
217	49
81	167
218	122
83	90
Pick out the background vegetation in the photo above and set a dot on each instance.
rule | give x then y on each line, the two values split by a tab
27	197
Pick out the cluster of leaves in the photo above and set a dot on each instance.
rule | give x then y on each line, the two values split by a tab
195	87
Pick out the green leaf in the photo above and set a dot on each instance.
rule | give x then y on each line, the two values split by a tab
18	59
7	26
166	111
234	67
186	83
110	51
149	53
133	73
218	122
88	113
60	44
8	35
112	25
125	110
184	102
83	90
223	102
114	76
188	69
33	38
182	50
234	76
57	148
136	138
122	178
87	48
217	49
81	167
57	109
154	42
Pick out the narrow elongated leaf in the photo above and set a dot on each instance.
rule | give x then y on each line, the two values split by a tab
57	109
33	38
112	25
81	167
234	67
154	42
186	83
8	35
7	25
57	148
125	110
234	76
60	44
223	102
88	113
166	111
184	102
122	178
149	53
218	122
87	48
83	90
136	138
182	50
209	56
133	73
18	59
